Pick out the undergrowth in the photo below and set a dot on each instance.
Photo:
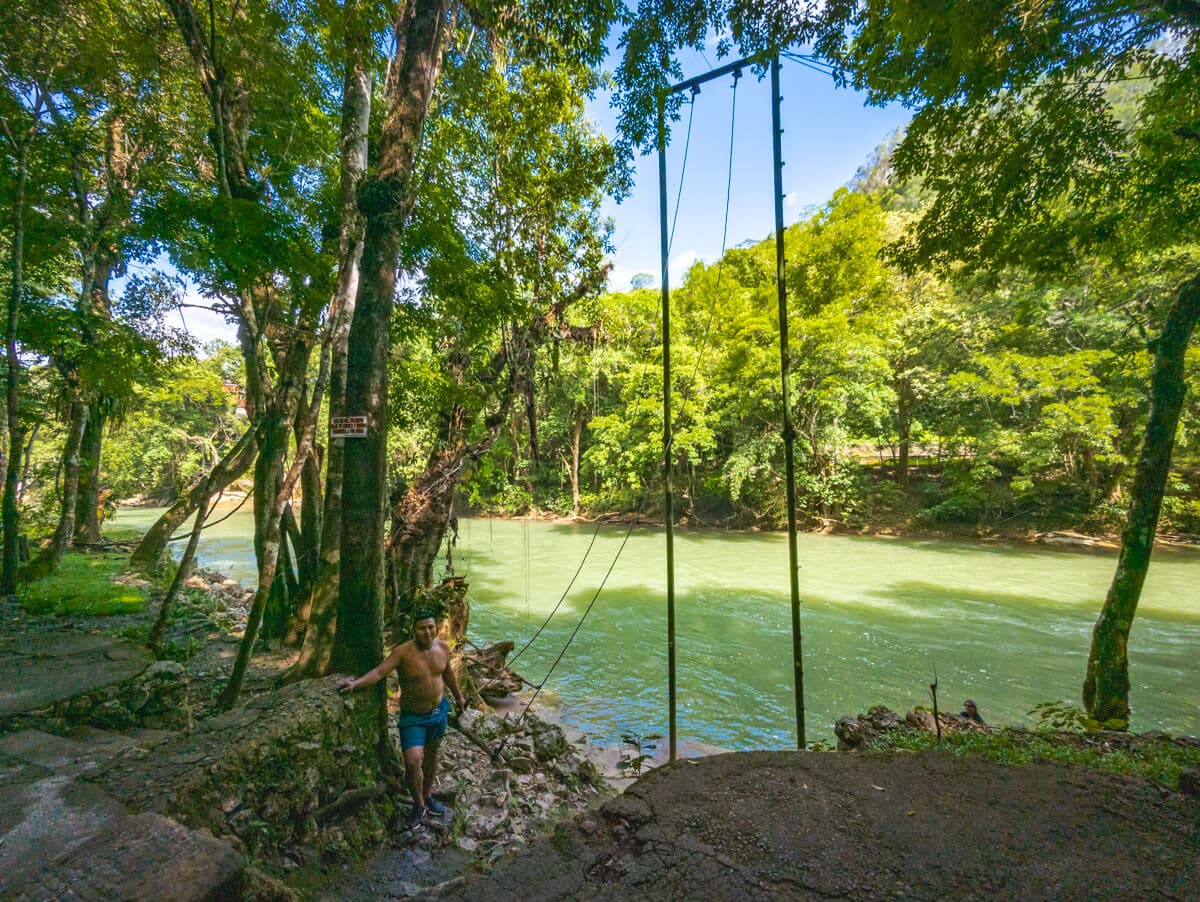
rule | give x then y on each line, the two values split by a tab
1152	759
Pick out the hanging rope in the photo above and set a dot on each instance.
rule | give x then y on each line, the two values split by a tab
540	686
214	522
561	598
725	229
683	167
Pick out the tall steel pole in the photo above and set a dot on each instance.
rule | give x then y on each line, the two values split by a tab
789	433
668	505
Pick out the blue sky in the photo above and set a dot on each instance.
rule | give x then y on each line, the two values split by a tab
828	134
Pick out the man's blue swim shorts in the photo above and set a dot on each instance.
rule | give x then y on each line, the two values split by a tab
422	729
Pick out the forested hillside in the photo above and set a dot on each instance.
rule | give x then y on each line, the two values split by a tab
996	399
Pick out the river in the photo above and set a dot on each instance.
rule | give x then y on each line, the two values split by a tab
1006	625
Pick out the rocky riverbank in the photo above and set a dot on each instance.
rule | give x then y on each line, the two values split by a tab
284	779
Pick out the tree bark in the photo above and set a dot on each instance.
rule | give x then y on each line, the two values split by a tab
87	513
903	431
47	562
576	505
16	433
1106	686
384	199
155	640
283	412
26	455
316	613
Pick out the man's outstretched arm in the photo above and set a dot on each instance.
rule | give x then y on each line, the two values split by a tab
374	675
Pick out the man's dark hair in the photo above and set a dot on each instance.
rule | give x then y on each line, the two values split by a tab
425	614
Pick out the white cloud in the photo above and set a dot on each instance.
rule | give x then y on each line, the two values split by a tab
202	322
680	264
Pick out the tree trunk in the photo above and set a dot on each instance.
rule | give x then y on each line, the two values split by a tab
27	461
16	433
87	512
295	537
904	406
155	640
316	613
384	199
283	412
576	505
47	562
1106	687
307	540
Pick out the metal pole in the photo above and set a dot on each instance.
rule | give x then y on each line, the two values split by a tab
789	434
668	506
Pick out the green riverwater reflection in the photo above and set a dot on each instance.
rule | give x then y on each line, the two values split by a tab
1006	625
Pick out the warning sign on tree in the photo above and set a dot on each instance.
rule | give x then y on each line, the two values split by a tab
348	427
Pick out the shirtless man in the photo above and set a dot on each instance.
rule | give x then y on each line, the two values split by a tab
423	665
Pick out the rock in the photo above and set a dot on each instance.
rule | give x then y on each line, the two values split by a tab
1189	781
521	764
921	719
165	669
485	826
469	719
850	733
550	744
143	856
261	887
45	670
627	808
256	772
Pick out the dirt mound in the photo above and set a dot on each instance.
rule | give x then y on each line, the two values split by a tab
808	825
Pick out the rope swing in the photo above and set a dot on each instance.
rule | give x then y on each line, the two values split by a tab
788	433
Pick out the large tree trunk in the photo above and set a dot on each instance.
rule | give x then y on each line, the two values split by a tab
316	614
1106	687
307	540
385	199
423	510
87	512
96	304
16	433
282	413
47	562
230	468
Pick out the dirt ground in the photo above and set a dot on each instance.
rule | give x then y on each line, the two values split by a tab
837	825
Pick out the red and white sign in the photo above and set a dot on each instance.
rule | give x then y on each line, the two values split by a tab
348	427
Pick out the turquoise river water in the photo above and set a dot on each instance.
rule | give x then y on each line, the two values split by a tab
1006	625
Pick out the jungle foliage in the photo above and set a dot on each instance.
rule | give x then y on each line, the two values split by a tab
990	400
397	209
